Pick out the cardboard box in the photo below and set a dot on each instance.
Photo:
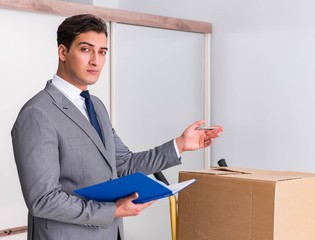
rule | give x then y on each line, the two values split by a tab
247	204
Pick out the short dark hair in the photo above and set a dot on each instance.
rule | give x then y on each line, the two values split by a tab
77	24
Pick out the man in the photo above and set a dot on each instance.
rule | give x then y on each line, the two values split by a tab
58	150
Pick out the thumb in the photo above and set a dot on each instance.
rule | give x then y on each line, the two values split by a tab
198	123
133	196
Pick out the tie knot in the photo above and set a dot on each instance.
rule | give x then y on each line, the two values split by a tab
85	94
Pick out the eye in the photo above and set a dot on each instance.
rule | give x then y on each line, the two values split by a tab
85	49
103	52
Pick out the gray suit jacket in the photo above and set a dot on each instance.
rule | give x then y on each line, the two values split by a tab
56	151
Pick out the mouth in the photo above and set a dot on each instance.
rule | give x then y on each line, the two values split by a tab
94	72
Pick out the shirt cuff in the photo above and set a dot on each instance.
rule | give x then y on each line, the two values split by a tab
176	149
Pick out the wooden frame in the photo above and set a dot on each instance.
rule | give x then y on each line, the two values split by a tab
110	15
12	231
118	16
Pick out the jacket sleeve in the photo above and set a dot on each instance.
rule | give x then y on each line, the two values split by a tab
148	162
35	145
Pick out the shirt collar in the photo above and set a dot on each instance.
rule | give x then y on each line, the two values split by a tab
70	91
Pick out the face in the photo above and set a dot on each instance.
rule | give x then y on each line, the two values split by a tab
81	65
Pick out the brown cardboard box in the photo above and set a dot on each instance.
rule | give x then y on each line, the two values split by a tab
247	204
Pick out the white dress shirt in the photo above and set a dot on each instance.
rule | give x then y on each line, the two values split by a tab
72	93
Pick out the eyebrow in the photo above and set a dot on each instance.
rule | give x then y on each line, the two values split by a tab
92	45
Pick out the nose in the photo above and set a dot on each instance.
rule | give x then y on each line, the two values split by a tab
93	59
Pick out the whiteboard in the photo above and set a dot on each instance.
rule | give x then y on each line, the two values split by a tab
28	59
159	87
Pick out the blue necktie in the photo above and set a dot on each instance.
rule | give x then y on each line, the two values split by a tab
91	112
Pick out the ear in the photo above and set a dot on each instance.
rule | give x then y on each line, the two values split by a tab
62	52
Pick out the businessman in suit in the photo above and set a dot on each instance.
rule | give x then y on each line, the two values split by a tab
58	150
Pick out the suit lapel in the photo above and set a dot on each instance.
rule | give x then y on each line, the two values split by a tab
69	109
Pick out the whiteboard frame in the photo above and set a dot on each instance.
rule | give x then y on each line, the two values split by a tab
207	94
108	14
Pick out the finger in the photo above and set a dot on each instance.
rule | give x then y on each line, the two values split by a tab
219	129
147	204
214	132
210	135
198	123
133	196
208	142
208	138
151	202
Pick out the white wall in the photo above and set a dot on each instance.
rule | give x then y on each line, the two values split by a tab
29	59
262	77
26	64
263	81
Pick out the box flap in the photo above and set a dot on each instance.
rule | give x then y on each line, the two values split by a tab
268	177
219	171
254	174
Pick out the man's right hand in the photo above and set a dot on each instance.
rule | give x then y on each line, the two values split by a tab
126	208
